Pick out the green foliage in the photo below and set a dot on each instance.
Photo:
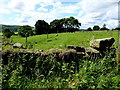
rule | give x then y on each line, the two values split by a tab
56	26
27	70
71	24
7	32
117	28
89	29
25	31
41	27
96	27
65	25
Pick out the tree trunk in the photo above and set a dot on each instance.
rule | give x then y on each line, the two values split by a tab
57	32
47	35
26	41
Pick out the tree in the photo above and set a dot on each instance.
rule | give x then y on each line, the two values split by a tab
41	27
56	26
25	31
65	25
71	24
96	27
89	29
117	28
7	32
104	27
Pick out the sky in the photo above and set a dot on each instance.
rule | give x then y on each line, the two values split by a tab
88	12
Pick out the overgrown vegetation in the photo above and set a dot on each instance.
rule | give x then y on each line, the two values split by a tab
26	70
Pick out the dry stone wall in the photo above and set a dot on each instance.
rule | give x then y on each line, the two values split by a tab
95	51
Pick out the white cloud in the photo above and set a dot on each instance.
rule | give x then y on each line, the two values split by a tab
99	12
43	13
4	11
112	23
88	12
42	9
27	5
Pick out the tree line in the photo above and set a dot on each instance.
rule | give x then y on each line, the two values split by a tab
70	24
96	27
57	26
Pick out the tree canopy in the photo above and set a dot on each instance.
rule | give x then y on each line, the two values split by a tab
7	32
65	25
71	24
96	27
25	31
56	26
41	27
117	28
89	29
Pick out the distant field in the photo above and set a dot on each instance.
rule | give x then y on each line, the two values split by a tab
63	39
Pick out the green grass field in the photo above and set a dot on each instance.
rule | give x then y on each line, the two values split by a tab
63	39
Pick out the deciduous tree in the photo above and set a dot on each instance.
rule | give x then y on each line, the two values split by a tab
96	27
25	31
89	29
7	32
65	25
41	27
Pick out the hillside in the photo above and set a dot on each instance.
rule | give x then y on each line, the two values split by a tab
11	27
63	39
